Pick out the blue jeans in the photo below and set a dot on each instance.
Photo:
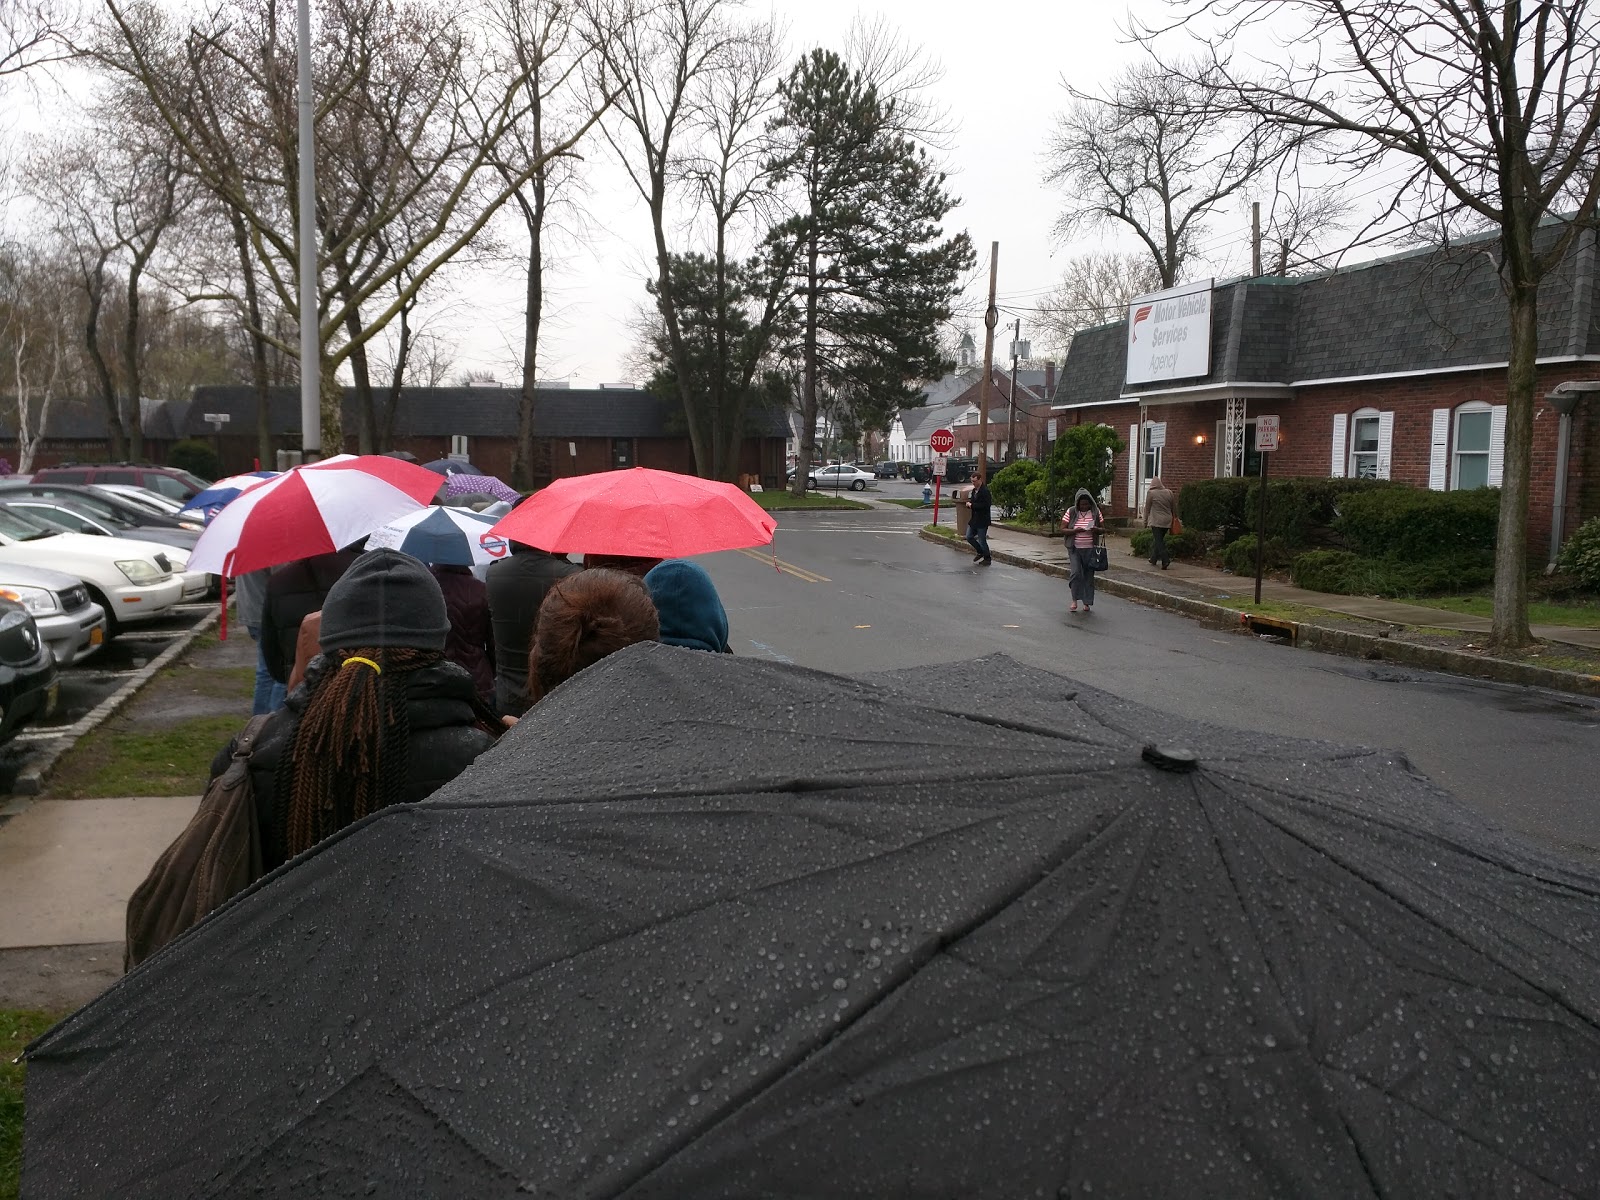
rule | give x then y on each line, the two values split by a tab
978	539
270	694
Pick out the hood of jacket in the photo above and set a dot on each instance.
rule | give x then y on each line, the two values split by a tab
686	600
1093	503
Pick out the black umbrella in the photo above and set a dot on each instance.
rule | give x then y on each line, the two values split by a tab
706	926
452	466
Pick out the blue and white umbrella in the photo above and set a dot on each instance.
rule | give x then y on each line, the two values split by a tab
449	536
224	492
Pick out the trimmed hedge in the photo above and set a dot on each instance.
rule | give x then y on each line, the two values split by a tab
1179	545
1580	557
1297	508
1342	573
1239	556
1413	524
196	457
1213	505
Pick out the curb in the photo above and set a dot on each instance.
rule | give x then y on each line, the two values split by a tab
31	781
1320	637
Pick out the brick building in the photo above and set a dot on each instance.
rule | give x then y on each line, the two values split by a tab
578	431
1394	369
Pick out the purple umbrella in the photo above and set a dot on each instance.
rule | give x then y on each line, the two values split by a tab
462	485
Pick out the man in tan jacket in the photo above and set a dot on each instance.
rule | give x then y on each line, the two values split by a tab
1159	505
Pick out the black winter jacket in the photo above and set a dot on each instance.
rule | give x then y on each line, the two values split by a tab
982	506
517	587
471	638
444	739
293	593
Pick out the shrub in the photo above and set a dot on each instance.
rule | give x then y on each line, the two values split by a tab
1081	458
1009	487
1345	574
1580	557
1239	556
1412	524
196	457
1179	545
1214	505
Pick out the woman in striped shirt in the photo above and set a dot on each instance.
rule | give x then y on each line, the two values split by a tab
1084	526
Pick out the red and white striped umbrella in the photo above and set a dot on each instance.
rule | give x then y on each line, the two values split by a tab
309	510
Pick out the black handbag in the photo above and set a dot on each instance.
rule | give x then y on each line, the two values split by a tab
1101	559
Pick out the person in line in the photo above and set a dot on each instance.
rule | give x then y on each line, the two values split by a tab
471	640
584	618
978	521
1084	526
293	591
383	717
690	611
517	586
1159	505
250	592
627	563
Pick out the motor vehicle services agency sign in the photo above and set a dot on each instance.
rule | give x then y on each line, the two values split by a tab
1169	334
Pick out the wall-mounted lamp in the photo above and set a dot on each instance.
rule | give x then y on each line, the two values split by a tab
1199	439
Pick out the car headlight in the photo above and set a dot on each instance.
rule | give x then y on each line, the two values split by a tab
38	601
139	571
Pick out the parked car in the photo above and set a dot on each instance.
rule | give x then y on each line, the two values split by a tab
886	470
131	581
72	624
168	481
143	497
28	686
184	531
840	475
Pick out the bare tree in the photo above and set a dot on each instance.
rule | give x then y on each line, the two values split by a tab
1495	107
36	318
1157	156
34	32
1095	289
413	103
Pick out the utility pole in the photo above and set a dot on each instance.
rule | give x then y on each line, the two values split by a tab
310	320
1011	410
991	318
1255	238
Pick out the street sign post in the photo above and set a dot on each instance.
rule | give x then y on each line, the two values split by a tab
941	463
1266	443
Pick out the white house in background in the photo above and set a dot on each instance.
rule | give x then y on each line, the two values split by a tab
908	436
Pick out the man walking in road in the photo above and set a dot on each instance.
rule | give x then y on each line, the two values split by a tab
978	522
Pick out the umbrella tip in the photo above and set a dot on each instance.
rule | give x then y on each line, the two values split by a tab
1171	758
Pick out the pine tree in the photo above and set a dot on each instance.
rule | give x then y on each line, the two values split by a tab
871	270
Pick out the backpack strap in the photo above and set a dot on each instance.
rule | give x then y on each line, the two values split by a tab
246	743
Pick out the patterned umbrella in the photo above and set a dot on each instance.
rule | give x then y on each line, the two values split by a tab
224	492
448	536
462	484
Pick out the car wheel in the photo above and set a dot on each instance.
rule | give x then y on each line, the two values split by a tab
112	626
858	485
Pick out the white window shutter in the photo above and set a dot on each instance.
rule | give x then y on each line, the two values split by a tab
1133	467
1497	444
1439	452
1340	421
1385	442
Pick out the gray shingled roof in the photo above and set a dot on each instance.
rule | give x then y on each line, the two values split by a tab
918	423
1427	310
479	412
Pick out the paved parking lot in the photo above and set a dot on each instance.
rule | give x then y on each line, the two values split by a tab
93	681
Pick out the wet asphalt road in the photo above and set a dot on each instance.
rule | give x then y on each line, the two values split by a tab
861	592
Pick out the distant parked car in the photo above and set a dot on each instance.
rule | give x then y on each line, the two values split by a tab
169	481
143	497
72	624
841	475
104	505
71	516
131	581
28	685
886	470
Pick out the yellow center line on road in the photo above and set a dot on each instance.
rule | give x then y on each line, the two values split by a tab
786	567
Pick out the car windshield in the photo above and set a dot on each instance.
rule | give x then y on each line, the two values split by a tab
88	504
21	528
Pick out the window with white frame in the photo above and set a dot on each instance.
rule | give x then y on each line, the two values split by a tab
458	445
1152	454
1364	426
1469	467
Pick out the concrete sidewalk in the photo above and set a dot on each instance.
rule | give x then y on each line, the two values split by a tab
1200	582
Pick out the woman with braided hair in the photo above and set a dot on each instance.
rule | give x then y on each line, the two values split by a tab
381	718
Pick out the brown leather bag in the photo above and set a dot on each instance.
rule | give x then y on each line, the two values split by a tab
215	858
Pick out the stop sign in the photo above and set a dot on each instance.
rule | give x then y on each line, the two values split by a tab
941	441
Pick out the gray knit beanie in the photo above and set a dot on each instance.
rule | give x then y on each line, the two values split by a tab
385	599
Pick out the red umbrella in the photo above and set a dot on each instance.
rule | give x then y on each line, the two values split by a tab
640	513
312	509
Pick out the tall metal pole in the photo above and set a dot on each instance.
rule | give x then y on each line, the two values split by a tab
1255	239
1011	408
310	323
991	318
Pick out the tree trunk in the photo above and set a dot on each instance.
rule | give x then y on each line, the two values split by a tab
95	290
721	434
528	401
669	317
133	353
258	345
808	380
332	397
397	380
1511	540
366	416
